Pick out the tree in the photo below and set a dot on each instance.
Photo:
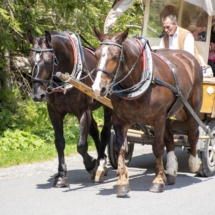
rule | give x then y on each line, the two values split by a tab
18	16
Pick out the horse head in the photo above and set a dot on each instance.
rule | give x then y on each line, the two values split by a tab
109	56
50	53
41	60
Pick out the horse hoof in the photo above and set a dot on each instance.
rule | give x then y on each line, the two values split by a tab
61	182
122	190
156	188
170	179
105	171
99	176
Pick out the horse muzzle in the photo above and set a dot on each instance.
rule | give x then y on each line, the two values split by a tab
99	90
38	95
39	98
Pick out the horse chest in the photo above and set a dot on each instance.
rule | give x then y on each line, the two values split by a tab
129	111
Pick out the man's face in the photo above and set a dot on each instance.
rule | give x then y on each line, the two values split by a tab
169	27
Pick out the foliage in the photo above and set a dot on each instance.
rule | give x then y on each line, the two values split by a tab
28	134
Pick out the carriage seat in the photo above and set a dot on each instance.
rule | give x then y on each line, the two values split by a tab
206	69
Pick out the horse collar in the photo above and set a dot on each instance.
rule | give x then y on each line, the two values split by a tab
138	89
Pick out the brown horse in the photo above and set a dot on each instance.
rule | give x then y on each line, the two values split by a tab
62	51
140	83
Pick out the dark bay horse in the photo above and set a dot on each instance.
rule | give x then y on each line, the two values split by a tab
62	51
140	83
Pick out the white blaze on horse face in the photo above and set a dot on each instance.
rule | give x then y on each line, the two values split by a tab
101	65
37	58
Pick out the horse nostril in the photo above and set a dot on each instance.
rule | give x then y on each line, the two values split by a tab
42	96
103	90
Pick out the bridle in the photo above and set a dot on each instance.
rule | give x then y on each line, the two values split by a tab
54	86
121	60
54	60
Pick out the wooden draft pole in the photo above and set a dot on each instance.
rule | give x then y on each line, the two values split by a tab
84	88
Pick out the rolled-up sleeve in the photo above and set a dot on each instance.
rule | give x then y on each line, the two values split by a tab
189	43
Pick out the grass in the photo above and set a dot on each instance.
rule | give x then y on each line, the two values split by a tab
13	157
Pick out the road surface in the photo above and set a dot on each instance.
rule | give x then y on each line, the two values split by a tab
27	190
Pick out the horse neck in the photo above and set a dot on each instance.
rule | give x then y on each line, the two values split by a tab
65	55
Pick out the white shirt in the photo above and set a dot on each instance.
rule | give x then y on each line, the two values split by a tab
173	42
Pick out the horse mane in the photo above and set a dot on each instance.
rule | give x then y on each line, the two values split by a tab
63	35
58	34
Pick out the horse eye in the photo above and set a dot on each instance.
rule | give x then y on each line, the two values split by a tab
115	57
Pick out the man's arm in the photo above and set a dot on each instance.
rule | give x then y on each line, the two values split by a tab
119	6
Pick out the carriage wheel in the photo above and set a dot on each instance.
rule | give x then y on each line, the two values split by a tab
113	156
207	155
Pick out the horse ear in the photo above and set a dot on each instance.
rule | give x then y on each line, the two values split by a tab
121	37
48	38
100	36
31	38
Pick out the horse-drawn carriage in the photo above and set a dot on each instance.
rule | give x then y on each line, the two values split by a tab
142	135
143	101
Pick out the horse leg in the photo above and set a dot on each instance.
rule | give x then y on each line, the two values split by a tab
193	135
120	148
105	137
172	164
94	133
102	169
158	183
57	122
91	164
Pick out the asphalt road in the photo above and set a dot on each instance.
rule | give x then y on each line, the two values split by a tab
27	190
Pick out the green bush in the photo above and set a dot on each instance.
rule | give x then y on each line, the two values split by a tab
20	140
26	133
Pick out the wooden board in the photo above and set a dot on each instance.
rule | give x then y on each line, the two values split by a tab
85	89
208	104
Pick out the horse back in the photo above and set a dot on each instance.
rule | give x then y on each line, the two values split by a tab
188	74
186	67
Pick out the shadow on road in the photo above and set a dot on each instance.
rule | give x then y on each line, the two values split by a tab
141	174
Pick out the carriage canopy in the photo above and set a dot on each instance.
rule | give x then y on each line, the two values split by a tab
194	15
